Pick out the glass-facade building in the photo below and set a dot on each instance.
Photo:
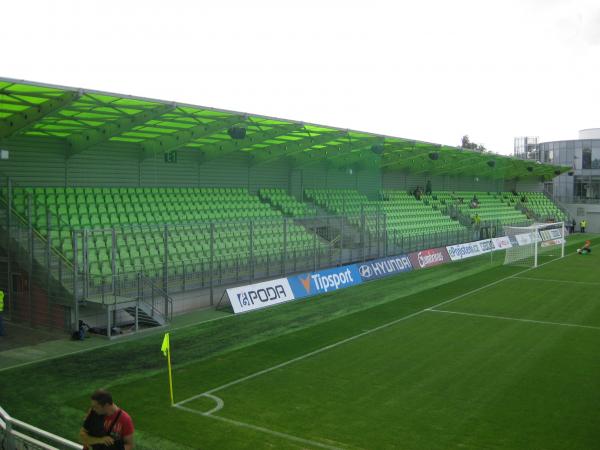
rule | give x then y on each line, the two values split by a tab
526	147
582	184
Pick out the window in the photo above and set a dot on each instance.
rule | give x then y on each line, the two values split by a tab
586	158
587	187
596	154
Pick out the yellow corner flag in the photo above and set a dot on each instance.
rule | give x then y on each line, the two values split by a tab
165	344
166	349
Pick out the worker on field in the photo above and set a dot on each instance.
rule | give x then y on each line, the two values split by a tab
106	426
582	225
586	249
1	312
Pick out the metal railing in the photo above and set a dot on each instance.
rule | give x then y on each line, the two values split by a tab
88	263
33	261
18	435
162	308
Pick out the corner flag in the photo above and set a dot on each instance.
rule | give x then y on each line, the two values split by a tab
165	345
166	349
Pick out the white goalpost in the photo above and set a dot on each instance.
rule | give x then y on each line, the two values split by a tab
536	242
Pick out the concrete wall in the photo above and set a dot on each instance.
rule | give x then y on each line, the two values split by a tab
589	212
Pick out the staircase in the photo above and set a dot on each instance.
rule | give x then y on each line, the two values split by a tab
146	316
152	307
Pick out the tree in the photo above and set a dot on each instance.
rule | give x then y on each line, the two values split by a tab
466	143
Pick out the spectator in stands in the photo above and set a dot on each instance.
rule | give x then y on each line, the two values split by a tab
474	202
106	426
428	188
1	312
418	193
582	225
476	220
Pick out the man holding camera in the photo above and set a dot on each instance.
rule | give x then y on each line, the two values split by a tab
106	426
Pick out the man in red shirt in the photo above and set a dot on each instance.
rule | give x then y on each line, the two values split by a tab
106	426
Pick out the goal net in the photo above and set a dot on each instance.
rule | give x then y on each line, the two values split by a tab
535	244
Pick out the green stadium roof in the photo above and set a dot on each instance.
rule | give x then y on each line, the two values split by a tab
82	119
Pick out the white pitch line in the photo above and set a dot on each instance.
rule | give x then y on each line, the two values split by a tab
352	338
315	352
261	429
592	283
299	358
218	400
515	319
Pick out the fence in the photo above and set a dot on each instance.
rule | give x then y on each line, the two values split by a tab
230	252
18	435
36	277
52	271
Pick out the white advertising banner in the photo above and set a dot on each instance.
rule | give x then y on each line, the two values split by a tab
548	235
260	295
502	243
462	251
552	242
486	245
524	239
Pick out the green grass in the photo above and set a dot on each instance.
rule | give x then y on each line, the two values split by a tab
430	380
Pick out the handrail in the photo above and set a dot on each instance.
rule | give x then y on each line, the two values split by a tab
557	200
7	423
23	221
168	314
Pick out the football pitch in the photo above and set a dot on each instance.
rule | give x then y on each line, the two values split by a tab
468	355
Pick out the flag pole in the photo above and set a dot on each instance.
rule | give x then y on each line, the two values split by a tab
166	349
170	375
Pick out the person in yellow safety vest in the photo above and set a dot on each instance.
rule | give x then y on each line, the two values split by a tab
582	225
1	312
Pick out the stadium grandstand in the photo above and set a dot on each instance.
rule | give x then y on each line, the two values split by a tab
121	215
123	211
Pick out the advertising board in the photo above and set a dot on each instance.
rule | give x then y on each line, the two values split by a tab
462	251
379	268
314	283
429	258
260	295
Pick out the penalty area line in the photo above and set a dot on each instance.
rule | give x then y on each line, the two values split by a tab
352	338
591	283
209	393
514	319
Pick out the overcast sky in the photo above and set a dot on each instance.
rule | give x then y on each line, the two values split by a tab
431	70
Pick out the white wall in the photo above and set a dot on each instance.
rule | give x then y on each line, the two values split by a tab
589	212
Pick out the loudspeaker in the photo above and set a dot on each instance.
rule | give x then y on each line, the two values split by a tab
571	173
377	149
434	156
237	132
529	169
491	163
